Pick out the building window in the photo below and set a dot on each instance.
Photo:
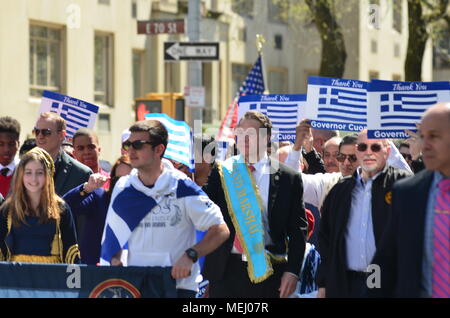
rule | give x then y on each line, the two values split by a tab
243	7
239	74
134	9
104	122
278	42
396	77
374	46
373	75
46	67
103	74
278	81
242	34
138	74
397	15
277	11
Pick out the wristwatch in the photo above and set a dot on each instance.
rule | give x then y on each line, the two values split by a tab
192	254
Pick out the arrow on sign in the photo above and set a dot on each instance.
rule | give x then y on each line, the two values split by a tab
176	51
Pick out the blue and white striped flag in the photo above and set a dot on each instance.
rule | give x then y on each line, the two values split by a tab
181	146
396	106
337	104
222	150
76	113
285	112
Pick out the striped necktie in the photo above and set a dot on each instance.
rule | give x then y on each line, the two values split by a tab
441	242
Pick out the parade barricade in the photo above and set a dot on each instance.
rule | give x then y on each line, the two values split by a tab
25	280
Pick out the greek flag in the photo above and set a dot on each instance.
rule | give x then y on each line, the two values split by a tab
285	112
396	106
222	150
180	146
337	104
75	112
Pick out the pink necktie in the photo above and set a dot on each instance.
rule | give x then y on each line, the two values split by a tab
441	242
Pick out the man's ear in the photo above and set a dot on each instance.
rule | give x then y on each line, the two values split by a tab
62	135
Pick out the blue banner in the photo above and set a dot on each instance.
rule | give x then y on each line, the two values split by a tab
21	280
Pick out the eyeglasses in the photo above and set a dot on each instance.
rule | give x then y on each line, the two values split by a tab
137	144
45	132
407	156
341	158
363	147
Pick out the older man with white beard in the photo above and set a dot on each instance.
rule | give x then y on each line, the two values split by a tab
354	216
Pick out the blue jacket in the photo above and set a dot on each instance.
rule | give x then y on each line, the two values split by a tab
94	208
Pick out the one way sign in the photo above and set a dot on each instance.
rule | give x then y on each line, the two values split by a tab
198	51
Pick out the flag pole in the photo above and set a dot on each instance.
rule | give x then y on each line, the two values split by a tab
260	41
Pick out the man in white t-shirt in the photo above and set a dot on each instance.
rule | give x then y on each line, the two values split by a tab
156	210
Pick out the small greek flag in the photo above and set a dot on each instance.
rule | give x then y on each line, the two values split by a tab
396	106
75	112
337	104
285	112
180	146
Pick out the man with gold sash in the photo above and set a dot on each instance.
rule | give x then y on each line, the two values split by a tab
261	201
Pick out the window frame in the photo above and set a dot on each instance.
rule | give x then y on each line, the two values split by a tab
60	72
109	60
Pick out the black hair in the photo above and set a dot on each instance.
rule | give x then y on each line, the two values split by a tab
351	139
157	132
10	125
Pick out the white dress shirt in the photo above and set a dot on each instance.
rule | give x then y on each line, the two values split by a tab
12	166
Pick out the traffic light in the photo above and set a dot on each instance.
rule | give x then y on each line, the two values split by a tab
171	104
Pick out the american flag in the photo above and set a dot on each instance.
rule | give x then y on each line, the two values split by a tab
253	85
75	112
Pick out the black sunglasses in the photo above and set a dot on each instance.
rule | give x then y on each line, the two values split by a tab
44	132
363	147
341	158
137	144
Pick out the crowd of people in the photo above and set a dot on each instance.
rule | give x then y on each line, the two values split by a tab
271	220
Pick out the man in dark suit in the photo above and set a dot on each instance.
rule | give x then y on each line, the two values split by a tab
282	214
354	216
414	256
50	132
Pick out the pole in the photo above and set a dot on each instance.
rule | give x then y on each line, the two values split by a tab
194	67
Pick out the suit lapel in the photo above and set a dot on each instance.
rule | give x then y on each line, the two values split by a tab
274	185
64	170
419	202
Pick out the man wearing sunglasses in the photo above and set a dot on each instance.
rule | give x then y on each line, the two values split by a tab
354	217
50	132
9	144
414	255
156	210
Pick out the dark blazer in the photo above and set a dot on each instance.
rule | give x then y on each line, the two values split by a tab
286	214
69	174
400	254
332	273
67	239
94	208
